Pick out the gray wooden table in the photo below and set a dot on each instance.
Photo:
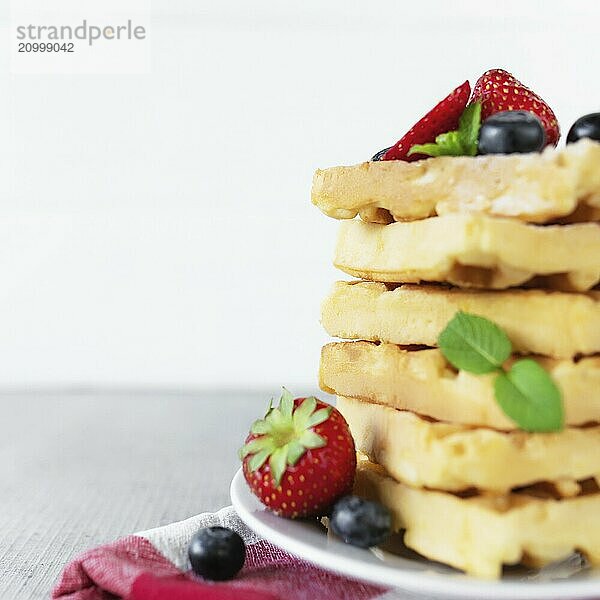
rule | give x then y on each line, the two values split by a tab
80	469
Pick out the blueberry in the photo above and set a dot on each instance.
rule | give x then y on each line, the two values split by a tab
585	127
217	553
360	522
511	131
379	155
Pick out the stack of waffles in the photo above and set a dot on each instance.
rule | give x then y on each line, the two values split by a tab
515	239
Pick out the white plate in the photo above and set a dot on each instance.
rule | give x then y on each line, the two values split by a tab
308	540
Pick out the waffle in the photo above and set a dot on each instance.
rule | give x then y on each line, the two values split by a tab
555	324
451	457
538	188
423	382
472	251
480	533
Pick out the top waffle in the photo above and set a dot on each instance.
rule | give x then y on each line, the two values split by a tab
556	185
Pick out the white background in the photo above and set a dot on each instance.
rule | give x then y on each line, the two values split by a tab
157	229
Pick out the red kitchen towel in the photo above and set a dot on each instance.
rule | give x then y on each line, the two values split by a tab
153	565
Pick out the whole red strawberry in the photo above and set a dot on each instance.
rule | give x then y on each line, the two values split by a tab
443	117
498	90
300	458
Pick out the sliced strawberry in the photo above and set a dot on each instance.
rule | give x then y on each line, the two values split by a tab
498	90
441	118
300	458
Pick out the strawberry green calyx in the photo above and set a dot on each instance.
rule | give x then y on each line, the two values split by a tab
285	434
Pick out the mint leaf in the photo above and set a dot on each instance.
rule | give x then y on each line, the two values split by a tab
474	344
429	149
468	128
446	144
462	142
451	142
527	395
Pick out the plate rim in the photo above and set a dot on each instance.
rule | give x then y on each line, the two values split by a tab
420	582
